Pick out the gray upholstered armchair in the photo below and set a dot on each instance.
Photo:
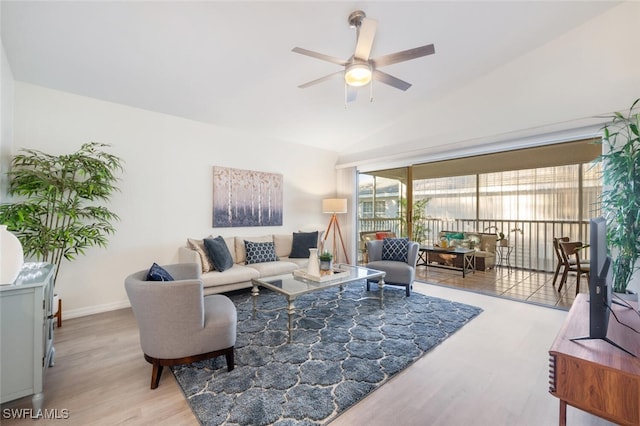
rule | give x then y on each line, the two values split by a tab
400	273
177	324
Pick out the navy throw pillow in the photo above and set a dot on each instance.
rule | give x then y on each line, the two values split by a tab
260	252
396	249
302	242
218	253
158	273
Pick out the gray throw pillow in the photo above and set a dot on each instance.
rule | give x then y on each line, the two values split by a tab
218	253
260	252
302	242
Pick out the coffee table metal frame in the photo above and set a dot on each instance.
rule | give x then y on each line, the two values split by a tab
291	287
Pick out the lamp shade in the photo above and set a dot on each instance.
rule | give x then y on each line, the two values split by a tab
334	205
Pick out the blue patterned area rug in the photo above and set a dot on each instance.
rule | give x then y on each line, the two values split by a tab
344	346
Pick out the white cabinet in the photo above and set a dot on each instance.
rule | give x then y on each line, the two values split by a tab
26	333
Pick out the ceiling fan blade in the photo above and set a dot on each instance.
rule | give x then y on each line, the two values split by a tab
352	93
366	34
390	80
405	55
321	79
320	56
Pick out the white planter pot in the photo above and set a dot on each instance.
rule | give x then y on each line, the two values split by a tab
11	256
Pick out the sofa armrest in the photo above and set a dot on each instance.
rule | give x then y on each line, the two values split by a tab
186	255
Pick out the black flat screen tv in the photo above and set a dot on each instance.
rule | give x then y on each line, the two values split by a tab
600	283
600	279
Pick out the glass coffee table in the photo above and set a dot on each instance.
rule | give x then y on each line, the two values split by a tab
291	286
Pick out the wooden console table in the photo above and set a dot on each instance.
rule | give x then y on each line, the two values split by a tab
433	256
593	375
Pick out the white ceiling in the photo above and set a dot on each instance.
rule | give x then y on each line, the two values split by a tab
230	63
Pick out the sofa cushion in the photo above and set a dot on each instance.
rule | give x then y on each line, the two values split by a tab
283	244
235	274
218	253
260	252
396	249
158	273
488	242
301	262
455	236
395	272
381	235
268	269
302	242
198	247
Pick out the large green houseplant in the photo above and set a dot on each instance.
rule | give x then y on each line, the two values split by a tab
59	209
621	192
418	219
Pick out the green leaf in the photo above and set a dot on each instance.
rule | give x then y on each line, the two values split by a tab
63	208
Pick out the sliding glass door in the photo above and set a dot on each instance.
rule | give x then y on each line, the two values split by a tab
529	195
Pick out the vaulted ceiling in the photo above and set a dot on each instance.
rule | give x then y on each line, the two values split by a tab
230	63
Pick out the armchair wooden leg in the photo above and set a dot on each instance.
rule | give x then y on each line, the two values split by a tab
156	373
59	313
159	363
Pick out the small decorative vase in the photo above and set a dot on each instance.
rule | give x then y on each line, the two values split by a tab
313	268
11	256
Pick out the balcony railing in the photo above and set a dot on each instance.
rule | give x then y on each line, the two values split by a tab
532	247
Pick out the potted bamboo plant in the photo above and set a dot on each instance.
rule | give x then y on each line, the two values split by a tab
621	192
60	201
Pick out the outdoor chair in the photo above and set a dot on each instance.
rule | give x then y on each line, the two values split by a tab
177	324
561	265
398	272
571	255
367	236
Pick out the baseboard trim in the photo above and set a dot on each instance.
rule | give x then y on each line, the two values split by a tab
91	310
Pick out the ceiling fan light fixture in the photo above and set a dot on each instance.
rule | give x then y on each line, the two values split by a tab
358	75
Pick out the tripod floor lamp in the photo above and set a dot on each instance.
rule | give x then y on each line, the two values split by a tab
335	206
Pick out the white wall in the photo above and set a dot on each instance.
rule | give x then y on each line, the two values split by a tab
166	190
565	84
6	121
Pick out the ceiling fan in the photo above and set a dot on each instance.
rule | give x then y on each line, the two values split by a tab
360	69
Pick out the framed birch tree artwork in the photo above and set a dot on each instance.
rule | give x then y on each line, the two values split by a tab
246	198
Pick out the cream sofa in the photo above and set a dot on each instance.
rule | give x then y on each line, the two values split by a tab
240	274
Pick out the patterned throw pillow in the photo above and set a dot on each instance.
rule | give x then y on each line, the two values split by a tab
260	252
158	273
395	249
198	247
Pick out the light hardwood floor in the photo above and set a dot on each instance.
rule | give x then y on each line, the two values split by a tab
491	372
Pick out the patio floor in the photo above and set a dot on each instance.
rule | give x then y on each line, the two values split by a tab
529	286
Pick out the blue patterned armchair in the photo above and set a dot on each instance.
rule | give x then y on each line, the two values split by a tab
395	256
